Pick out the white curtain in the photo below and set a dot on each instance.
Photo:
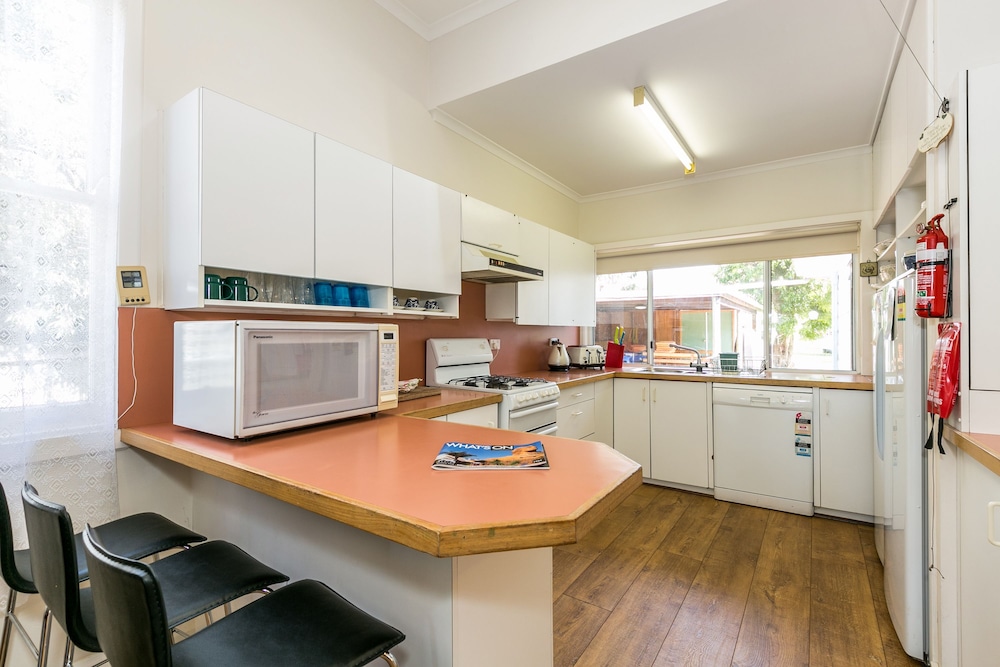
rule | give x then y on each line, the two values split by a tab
60	108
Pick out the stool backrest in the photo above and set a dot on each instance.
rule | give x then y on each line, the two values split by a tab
131	619
8	569
53	564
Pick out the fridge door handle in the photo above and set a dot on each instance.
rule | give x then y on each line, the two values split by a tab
990	523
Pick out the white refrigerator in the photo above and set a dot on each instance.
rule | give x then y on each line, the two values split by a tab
900	361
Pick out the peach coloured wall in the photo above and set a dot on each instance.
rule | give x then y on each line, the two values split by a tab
523	349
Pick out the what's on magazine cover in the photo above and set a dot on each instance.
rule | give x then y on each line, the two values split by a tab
467	455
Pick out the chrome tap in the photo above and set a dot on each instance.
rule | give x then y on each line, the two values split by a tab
697	365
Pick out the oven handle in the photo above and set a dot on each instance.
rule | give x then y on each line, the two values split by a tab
548	430
517	414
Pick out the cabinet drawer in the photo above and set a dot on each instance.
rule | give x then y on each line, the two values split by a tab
577	394
575	421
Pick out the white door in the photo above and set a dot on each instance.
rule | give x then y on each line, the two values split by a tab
426	235
679	427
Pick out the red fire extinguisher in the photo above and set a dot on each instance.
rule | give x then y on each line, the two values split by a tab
932	270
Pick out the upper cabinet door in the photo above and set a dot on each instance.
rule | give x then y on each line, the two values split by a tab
533	295
572	280
256	190
426	235
489	226
353	215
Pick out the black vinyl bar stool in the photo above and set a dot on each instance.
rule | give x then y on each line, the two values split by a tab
305	624
194	581
139	535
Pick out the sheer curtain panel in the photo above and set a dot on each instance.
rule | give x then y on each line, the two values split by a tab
60	107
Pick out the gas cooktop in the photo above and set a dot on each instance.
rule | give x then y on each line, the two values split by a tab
497	382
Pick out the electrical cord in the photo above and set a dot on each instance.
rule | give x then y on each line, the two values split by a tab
135	381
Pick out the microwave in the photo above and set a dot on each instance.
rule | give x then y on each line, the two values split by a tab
241	378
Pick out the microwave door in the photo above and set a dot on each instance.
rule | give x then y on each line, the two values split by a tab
307	375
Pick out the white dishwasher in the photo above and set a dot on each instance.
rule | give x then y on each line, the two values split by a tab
763	446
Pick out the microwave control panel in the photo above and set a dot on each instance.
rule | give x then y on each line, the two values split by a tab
388	363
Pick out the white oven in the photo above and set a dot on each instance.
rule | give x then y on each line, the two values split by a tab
527	404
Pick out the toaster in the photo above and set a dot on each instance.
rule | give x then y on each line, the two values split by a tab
586	356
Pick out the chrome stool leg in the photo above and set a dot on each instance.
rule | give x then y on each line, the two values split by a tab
7	627
43	645
389	658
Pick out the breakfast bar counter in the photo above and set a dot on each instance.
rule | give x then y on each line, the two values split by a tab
375	474
454	558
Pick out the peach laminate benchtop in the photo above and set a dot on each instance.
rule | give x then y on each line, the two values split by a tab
375	474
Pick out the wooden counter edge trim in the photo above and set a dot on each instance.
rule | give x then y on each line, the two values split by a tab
469	540
968	443
405	530
590	379
723	379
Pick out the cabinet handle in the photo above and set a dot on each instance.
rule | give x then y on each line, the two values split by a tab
579	393
652	391
990	523
576	414
643	394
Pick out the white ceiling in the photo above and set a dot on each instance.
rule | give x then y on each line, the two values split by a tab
746	82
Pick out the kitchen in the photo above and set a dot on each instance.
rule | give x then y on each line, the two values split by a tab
182	51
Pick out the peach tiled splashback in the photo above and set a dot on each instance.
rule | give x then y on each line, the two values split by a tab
523	349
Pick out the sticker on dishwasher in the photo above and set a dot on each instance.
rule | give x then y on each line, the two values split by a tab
803	423
803	445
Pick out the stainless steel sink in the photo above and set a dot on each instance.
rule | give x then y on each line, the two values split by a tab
672	370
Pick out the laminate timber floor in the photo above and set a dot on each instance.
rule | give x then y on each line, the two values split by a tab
673	578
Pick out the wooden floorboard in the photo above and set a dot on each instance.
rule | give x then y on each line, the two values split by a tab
708	623
775	628
675	578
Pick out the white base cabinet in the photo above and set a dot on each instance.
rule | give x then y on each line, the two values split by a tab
666	427
575	415
484	415
632	421
680	432
979	562
843	472
604	412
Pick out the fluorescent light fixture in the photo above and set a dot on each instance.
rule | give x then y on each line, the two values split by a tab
653	112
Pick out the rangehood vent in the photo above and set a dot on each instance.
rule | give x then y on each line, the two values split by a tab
480	265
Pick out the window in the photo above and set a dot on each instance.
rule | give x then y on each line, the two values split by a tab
783	313
60	99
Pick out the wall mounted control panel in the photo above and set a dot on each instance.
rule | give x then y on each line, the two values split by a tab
133	288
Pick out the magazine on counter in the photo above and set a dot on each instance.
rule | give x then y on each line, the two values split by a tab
461	455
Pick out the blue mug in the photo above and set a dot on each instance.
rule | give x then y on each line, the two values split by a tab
341	295
359	296
323	293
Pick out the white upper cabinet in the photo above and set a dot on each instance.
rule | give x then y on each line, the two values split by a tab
426	235
489	227
527	301
572	281
238	193
353	215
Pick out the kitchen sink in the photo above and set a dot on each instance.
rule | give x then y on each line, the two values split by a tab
673	370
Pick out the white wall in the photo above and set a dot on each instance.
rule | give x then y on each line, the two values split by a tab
807	189
346	69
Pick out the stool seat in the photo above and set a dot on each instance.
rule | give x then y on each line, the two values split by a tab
305	624
140	535
195	580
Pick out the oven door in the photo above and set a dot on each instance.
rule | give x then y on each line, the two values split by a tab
539	419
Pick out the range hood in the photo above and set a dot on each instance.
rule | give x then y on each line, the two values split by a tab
480	265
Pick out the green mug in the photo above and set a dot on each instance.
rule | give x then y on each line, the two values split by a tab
216	289
240	290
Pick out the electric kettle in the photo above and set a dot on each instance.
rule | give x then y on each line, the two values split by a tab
558	357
